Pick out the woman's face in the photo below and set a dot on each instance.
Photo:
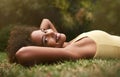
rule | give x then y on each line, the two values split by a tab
48	38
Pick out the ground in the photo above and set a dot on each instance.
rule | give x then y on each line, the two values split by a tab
80	68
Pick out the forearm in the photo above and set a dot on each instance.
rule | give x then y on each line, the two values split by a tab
47	24
36	55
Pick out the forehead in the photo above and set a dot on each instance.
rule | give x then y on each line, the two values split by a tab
36	36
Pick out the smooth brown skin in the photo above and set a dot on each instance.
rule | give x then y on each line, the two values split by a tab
55	48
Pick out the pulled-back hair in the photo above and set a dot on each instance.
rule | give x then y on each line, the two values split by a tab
19	37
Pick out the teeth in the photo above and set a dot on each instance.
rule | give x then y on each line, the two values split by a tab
57	36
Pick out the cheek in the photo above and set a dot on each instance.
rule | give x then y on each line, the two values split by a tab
51	43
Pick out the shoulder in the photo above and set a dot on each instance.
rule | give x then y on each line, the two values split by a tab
85	47
97	31
83	41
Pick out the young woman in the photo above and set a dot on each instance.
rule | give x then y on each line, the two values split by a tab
49	46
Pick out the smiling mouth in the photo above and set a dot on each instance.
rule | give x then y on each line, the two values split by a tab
58	35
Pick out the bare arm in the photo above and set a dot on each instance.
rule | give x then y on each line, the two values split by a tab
35	55
47	24
85	48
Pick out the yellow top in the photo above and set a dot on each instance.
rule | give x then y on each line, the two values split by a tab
108	46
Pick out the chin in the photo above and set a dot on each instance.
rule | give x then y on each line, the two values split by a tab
63	38
61	41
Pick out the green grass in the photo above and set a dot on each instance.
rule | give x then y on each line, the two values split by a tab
81	68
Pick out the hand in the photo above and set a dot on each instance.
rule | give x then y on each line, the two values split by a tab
47	24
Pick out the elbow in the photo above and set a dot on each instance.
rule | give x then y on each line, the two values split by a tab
23	57
45	19
20	54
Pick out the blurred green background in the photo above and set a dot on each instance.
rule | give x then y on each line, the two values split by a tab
71	17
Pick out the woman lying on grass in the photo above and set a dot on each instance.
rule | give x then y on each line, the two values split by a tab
30	46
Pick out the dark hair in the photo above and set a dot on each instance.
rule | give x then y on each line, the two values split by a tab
19	37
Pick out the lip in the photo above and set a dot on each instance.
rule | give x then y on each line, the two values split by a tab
58	37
